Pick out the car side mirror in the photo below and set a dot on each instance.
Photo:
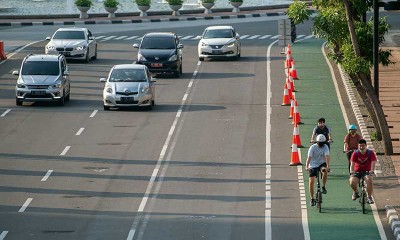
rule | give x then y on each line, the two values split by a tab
15	73
135	45
48	38
102	79
66	72
180	45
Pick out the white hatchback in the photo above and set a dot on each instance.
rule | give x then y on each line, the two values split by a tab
128	85
219	41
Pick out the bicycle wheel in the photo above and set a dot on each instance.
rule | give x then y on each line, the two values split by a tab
362	200
319	201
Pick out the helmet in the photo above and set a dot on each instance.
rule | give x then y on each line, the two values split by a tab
321	138
352	127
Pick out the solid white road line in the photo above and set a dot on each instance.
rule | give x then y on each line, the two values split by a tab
93	113
19	50
5	113
44	179
119	38
79	131
268	224
187	37
99	37
130	38
243	37
65	150
26	204
3	235
254	36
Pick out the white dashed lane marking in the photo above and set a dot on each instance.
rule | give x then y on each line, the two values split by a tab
79	131
44	179
3	235
65	150
5	113
26	204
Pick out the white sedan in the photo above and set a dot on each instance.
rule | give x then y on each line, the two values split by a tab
219	41
128	85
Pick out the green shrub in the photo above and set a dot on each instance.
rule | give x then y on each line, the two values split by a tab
111	3
142	2
208	1
83	3
175	2
235	0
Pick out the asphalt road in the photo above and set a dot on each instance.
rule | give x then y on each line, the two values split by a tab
198	166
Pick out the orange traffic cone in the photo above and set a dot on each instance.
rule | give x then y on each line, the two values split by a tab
295	159
291	84
289	88
286	99
288	50
296	114
296	137
291	109
288	62
3	55
293	72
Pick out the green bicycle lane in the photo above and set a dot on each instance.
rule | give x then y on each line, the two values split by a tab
341	218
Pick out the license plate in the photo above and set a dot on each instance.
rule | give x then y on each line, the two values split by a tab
65	53
156	64
127	99
217	52
38	93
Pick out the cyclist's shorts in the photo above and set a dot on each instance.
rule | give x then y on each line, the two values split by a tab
360	175
313	171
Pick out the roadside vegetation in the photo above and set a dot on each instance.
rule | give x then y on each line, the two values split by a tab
349	36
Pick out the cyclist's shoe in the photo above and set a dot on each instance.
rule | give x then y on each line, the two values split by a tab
324	190
370	200
355	196
313	202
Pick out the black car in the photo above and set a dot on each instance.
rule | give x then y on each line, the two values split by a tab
161	52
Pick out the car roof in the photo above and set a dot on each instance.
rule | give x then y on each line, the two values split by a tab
131	66
219	27
160	34
42	57
72	29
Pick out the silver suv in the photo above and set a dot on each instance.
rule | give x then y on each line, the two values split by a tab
43	78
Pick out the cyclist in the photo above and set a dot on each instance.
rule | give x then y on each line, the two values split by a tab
321	128
351	142
318	159
362	162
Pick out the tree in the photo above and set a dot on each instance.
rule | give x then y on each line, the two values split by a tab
349	38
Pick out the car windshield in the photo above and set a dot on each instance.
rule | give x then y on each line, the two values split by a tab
69	35
218	33
127	75
158	43
40	68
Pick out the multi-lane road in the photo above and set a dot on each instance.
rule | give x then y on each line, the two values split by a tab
210	161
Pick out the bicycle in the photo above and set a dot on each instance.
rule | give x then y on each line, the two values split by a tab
363	189
318	192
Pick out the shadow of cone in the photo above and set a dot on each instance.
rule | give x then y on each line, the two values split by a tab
295	159
286	99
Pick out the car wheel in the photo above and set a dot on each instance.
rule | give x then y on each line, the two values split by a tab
95	54
201	59
239	53
61	101
106	108
87	57
18	102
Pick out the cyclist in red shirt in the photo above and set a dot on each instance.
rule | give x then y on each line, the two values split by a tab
362	164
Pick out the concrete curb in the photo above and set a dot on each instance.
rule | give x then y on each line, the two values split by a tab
165	19
393	220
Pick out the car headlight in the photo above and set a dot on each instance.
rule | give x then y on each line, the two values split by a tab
80	47
141	58
173	58
21	85
144	89
50	47
56	85
203	44
109	90
232	44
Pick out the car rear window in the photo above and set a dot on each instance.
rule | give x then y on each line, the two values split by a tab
218	33
69	35
127	75
158	43
40	68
